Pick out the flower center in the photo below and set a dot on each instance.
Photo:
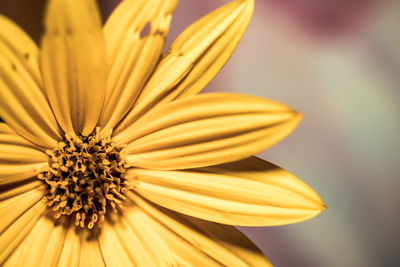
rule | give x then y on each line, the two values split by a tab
85	175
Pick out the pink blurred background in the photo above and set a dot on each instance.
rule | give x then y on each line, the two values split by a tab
338	62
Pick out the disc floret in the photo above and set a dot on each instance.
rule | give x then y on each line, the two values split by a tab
85	176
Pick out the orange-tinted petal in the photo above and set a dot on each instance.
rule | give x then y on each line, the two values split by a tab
131	54
73	63
250	192
195	57
195	242
205	130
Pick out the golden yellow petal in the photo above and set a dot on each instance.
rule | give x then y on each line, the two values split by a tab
43	245
205	130
23	104
19	158
138	240
194	58
250	192
12	208
73	63
12	260
21	45
19	229
70	253
131	54
14	189
112	248
195	242
12	173
90	254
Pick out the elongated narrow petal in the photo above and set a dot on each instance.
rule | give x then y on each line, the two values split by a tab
90	254
12	237
73	63
23	104
14	207
19	159
251	192
70	253
139	241
113	250
195	242
131	54
195	57
21	45
206	130
43	245
15	189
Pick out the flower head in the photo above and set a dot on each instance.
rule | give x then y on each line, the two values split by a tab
110	156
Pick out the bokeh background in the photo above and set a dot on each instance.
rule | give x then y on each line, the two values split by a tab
338	62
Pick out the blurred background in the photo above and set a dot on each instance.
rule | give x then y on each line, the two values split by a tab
338	62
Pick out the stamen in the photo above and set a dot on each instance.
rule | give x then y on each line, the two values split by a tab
85	175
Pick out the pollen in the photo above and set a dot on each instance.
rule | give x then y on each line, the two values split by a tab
85	177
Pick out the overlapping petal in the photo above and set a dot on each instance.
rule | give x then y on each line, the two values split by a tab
19	159
131	52
195	242
138	241
22	103
16	232
71	250
90	254
43	245
250	192
205	130
73	63
194	58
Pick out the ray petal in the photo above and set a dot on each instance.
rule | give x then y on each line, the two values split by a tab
70	253
195	242
14	189
73	63
153	250
23	104
19	158
205	130
195	57
250	192
19	229
12	208
90	254
112	248
42	247
132	57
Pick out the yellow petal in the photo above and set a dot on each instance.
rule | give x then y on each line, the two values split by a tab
12	190
251	192
21	45
140	242
43	245
70	253
195	242
12	208
14	257
195	57
73	63
156	249
112	248
205	130
90	254
19	159
16	232
22	102
132	57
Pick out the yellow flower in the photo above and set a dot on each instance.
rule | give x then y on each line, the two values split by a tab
108	155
